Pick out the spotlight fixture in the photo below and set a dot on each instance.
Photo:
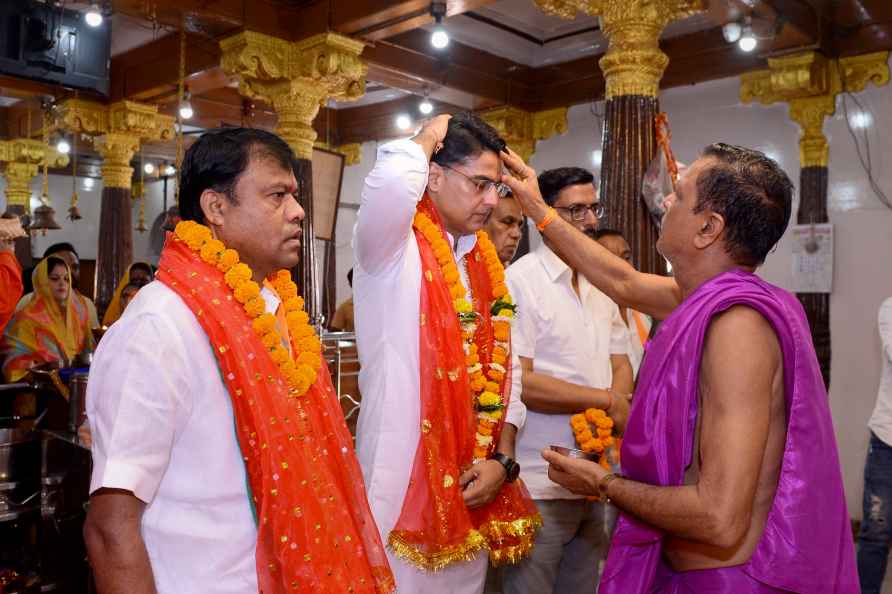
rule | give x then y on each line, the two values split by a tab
439	36
149	168
63	146
186	111
732	32
170	171
747	40
403	122
93	17
425	107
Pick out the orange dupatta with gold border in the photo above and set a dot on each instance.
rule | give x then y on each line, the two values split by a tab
315	530
435	527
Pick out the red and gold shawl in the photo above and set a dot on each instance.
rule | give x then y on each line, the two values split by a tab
435	527
315	531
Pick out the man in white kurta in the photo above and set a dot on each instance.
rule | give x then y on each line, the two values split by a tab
387	286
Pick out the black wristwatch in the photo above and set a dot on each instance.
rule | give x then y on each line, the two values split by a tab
512	468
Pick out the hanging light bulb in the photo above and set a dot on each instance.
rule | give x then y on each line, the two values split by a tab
439	36
62	145
425	107
149	168
93	17
403	122
747	40
170	170
186	111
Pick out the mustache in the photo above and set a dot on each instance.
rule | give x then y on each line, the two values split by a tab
590	232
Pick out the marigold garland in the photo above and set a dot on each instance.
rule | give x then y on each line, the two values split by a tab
597	442
299	370
484	380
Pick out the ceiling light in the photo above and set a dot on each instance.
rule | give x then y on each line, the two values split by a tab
170	171
403	122
439	36
148	168
89	183
747	40
732	32
93	17
63	146
425	107
186	111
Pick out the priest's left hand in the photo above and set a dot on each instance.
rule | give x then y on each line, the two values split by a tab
481	483
577	476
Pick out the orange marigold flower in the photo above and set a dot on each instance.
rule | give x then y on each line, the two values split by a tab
500	359
483	429
293	304
286	290
604	432
310	344
496	376
287	366
480	452
500	290
501	334
279	355
297	317
472	360
301	331
584	436
271	339
255	307
238	273
491	387
591	414
457	291
311	359
608	441
578	419
227	260
246	291
211	250
182	228
264	323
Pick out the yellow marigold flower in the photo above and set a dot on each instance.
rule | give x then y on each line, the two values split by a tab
489	399
271	339
227	260
492	414
293	304
297	317
506	313
246	291
287	367
307	373
211	250
457	291
238	273
255	307
263	324
182	229
462	305
450	273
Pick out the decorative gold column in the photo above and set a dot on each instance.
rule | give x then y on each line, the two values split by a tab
22	159
809	82
632	67
296	78
522	129
117	131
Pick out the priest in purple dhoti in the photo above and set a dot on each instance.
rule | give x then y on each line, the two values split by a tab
730	479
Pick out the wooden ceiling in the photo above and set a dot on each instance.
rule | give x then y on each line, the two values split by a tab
462	77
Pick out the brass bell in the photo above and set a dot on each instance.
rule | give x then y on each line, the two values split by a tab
74	214
43	219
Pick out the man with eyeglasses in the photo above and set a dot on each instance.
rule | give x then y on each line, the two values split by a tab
428	321
572	345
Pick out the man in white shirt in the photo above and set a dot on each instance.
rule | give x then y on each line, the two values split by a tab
572	344
189	409
639	324
876	524
453	166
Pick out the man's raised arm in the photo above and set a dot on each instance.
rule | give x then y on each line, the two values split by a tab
649	293
390	194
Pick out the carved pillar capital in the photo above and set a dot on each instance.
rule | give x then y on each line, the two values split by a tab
522	129
22	159
634	63
296	78
809	83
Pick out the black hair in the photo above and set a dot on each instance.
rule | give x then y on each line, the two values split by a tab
52	262
608	233
467	136
551	182
60	247
753	195
217	160
350	278
144	267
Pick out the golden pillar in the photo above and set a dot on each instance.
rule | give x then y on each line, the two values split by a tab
297	78
117	131
22	159
632	67
809	83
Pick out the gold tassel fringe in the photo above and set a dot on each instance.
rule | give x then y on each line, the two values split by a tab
439	559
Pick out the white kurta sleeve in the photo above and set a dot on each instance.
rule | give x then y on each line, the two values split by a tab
137	402
517	410
885	327
389	197
619	332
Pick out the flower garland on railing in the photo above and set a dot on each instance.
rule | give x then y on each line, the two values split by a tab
300	369
597	442
484	380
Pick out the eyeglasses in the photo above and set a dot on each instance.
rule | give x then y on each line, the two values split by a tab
483	185
577	211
